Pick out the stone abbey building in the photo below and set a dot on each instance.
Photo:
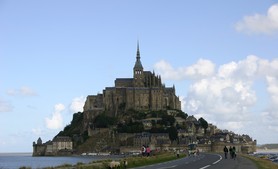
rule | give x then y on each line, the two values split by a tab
143	92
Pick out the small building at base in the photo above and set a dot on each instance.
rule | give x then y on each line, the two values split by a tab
60	145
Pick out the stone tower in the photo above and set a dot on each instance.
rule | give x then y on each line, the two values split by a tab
138	69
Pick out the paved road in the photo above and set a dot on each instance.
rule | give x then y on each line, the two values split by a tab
205	161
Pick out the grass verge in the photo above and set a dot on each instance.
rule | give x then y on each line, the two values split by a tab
262	163
132	162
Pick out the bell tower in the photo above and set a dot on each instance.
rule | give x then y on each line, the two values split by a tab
138	69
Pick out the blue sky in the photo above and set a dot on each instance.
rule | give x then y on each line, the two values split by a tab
220	55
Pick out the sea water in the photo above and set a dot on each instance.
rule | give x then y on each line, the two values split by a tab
17	160
272	155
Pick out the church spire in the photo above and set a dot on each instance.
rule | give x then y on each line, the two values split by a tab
138	64
138	51
138	69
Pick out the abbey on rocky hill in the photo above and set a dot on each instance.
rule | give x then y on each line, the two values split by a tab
143	92
138	111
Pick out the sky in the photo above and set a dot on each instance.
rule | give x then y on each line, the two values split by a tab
220	55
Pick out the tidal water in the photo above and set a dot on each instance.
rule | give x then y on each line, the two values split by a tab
270	155
17	160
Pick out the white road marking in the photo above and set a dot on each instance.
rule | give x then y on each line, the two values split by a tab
168	167
218	160
205	167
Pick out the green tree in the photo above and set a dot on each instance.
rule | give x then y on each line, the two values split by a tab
140	115
203	123
182	115
173	133
168	120
74	127
103	121
131	127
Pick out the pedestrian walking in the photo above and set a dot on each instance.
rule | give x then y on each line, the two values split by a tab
125	163
225	151
231	152
178	153
143	150
148	151
234	152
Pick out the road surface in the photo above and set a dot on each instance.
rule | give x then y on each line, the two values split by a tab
204	161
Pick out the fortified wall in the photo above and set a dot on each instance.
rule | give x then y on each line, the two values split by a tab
59	146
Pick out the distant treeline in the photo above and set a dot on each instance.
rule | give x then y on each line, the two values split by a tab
268	146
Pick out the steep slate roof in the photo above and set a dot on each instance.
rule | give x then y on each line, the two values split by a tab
138	64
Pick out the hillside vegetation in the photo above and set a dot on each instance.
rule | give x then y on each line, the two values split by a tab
128	122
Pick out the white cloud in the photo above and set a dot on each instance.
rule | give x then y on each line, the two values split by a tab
270	115
228	97
77	104
247	69
203	68
23	91
270	119
5	106
56	121
167	71
26	91
272	86
183	102
223	101
258	23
